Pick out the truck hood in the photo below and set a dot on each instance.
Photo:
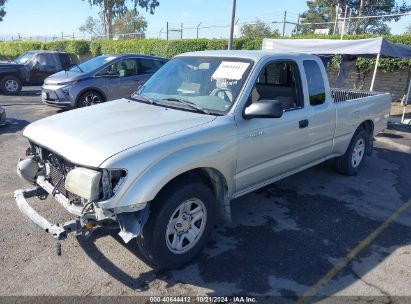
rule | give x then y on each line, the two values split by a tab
88	136
65	76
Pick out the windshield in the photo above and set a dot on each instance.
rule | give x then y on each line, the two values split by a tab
22	59
92	64
206	83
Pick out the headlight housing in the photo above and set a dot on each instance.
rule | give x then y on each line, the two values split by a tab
84	183
67	86
115	178
67	83
94	185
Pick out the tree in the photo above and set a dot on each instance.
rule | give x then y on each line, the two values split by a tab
2	11
92	26
113	8
323	12
258	29
130	22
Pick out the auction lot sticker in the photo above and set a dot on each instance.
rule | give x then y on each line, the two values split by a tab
230	70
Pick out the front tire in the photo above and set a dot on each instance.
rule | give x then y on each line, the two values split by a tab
89	98
180	222
10	85
353	159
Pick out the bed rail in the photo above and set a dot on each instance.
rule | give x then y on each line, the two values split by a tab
340	95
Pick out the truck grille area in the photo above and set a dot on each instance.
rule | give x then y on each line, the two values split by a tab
59	168
57	178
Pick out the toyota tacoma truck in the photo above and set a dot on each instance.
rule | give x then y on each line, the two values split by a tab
31	68
206	128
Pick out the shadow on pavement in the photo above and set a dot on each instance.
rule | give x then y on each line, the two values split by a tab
13	125
32	92
140	283
281	242
399	127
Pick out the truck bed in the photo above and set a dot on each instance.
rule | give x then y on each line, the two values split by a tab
353	108
340	95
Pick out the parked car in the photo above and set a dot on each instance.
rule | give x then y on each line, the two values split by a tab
32	68
2	116
206	128
99	79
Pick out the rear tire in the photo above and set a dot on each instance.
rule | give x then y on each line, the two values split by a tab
10	85
89	98
180	222
353	159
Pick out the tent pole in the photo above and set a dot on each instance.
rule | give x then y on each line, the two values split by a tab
343	25
405	102
375	72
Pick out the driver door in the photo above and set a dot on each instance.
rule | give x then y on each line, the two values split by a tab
271	147
109	81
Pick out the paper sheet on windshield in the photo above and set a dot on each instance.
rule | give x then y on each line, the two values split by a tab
230	70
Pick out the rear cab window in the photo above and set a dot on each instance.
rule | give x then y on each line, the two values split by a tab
315	82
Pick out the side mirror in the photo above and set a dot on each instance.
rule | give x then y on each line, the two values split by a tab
264	108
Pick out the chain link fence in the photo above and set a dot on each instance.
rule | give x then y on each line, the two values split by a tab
281	23
346	24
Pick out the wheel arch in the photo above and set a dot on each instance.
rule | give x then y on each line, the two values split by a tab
213	178
368	126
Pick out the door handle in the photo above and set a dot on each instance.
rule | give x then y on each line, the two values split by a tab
303	123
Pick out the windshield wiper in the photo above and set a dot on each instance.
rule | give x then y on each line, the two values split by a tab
142	97
77	66
190	104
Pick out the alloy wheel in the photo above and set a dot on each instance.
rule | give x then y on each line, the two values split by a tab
186	226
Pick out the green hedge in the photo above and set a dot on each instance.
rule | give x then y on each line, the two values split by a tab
10	50
168	49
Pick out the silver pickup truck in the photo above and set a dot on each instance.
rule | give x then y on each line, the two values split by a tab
206	128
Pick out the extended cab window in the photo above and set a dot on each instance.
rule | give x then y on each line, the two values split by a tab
279	81
315	82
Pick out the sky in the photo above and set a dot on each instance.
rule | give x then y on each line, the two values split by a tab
52	17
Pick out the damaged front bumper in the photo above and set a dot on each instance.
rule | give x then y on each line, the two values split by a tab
57	231
130	223
49	179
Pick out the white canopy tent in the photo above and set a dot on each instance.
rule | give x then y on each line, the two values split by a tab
367	48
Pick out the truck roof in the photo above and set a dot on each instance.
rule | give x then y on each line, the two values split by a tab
126	55
47	51
255	55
